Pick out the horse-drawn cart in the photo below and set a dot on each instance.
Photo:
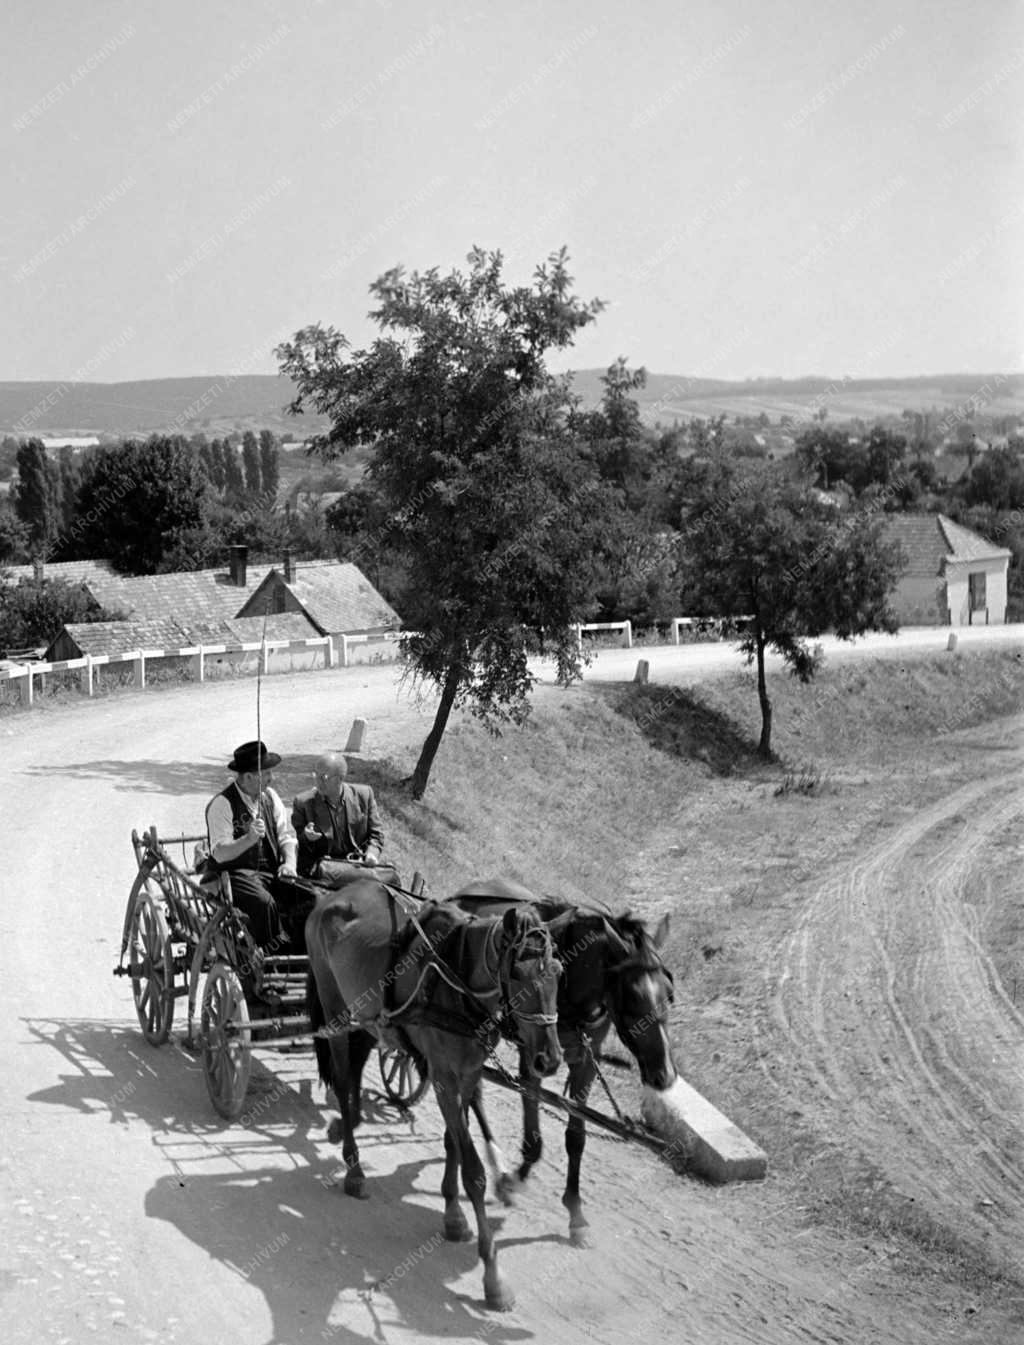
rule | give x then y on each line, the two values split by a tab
183	933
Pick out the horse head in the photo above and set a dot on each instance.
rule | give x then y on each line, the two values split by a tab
529	984
640	990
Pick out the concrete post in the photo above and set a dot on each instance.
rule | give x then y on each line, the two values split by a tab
642	669
344	651
951	642
85	676
199	665
26	688
329	652
357	736
140	669
629	635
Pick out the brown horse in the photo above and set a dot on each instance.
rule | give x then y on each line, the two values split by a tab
441	981
613	974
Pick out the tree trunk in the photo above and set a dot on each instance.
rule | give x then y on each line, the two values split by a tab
764	747
421	774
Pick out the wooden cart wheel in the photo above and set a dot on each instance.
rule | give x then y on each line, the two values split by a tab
226	1039
151	966
404	1081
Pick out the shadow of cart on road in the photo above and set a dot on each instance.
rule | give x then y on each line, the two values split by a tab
259	1195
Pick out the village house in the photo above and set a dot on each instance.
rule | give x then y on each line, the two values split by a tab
953	576
293	600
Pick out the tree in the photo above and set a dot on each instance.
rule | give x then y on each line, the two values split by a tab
13	535
138	501
234	481
270	465
37	499
33	611
754	544
251	462
496	511
70	482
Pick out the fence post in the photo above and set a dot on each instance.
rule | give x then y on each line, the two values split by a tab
328	651
344	651
264	658
629	635
199	665
26	688
140	668
85	676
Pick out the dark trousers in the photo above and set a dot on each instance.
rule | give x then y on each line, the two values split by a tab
275	906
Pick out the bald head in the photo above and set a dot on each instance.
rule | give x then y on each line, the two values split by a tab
331	770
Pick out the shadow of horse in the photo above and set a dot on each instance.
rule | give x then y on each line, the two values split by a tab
252	1196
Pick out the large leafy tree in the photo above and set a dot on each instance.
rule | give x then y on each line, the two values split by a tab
757	545
499	516
138	501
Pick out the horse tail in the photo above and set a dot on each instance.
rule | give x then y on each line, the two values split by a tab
317	1020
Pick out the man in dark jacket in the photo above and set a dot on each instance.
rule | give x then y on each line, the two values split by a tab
336	822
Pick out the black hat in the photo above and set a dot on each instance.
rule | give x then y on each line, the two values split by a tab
253	757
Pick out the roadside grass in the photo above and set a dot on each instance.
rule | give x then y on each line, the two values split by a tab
653	798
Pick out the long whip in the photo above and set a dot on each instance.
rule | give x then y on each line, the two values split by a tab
259	728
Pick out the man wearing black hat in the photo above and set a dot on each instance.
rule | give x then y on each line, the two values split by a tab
252	838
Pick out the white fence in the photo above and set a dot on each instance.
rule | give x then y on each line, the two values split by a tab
209	660
625	626
715	623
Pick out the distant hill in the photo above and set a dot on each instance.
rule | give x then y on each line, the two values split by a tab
216	405
668	397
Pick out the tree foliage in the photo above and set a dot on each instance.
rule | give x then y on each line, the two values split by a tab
33	611
137	502
757	545
37	498
498	514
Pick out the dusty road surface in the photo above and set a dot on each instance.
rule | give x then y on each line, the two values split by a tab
130	1211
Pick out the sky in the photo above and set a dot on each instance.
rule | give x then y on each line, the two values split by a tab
753	190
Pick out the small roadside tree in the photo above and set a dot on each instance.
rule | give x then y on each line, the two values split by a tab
757	545
499	517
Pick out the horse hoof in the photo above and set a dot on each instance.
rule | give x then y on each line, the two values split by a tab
500	1298
505	1189
335	1131
580	1237
457	1232
355	1186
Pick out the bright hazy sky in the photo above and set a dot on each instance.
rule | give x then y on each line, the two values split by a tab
755	189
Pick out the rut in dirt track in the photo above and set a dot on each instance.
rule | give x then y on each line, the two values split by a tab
897	1035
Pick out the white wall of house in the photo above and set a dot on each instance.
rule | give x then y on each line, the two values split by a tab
958	590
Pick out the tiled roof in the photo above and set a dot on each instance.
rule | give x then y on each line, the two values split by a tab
931	539
203	595
71	571
967	545
121	637
336	596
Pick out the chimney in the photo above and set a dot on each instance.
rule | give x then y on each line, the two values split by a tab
237	558
37	570
289	568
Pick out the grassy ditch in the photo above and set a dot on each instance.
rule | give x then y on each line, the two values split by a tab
653	798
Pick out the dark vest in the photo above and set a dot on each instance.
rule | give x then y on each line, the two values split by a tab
263	856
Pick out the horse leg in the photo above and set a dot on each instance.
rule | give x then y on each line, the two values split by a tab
458	1144
581	1077
360	1044
456	1226
532	1146
343	1126
504	1187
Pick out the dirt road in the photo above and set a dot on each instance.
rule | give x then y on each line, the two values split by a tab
131	1211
